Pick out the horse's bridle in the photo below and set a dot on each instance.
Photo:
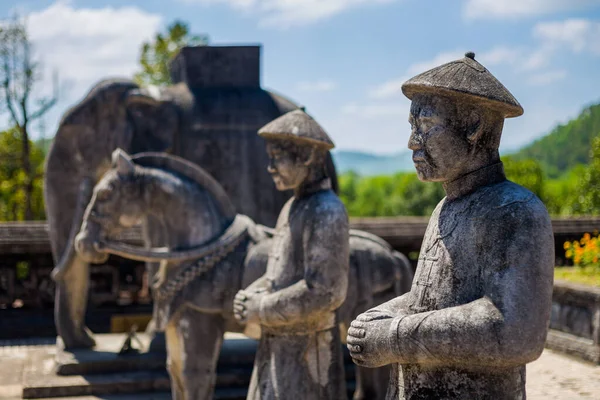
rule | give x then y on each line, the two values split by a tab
206	256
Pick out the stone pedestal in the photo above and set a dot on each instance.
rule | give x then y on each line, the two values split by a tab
52	372
29	371
105	358
100	371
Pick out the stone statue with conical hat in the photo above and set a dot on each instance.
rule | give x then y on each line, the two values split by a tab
479	307
299	355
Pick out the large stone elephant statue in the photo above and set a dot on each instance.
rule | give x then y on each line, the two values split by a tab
115	114
209	116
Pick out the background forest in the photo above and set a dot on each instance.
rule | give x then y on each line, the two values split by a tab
562	168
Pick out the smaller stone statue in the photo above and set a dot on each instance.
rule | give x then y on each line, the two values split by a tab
299	354
479	306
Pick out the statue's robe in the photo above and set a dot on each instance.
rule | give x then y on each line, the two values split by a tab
299	355
479	306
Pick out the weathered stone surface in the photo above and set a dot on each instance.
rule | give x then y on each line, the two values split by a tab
40	380
575	320
105	358
208	253
479	307
576	310
573	345
209	117
553	376
468	79
306	280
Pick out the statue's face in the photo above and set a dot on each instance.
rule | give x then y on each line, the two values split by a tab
286	167
440	148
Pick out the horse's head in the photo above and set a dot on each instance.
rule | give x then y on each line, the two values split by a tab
117	203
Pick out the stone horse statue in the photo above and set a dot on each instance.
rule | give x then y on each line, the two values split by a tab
207	253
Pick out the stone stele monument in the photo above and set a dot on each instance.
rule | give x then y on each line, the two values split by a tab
479	306
299	355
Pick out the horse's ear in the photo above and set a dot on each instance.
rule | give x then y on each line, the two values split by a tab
122	163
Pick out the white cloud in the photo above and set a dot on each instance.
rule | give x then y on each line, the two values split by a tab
387	89
380	127
85	45
500	55
509	9
547	77
288	13
316	86
574	36
538	58
393	87
375	110
578	35
439	59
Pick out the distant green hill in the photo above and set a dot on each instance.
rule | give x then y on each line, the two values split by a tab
367	164
567	145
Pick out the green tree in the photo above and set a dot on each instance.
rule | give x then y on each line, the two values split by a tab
413	197
19	74
13	179
155	55
525	172
587	199
566	145
388	195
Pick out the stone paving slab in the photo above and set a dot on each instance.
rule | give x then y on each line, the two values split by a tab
105	358
139	396
554	376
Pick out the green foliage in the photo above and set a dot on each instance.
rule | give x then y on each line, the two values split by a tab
44	145
525	172
156	55
13	179
573	193
583	275
587	198
384	196
560	193
567	145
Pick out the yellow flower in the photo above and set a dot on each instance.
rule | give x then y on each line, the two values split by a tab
567	245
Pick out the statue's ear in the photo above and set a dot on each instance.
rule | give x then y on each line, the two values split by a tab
475	127
122	163
310	157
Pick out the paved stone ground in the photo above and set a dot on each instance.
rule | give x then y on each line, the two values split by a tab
556	376
553	376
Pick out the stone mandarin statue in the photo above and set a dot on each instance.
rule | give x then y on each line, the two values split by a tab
479	306
299	354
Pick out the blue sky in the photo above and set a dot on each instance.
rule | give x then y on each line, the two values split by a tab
343	59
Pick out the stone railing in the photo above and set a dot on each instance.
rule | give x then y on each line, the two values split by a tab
575	321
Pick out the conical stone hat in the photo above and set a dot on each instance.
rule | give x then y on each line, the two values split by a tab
299	127
466	78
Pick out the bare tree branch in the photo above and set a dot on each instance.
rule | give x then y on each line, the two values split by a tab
20	73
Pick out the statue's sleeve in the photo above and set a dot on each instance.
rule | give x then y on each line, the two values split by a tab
325	244
261	285
394	308
508	325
